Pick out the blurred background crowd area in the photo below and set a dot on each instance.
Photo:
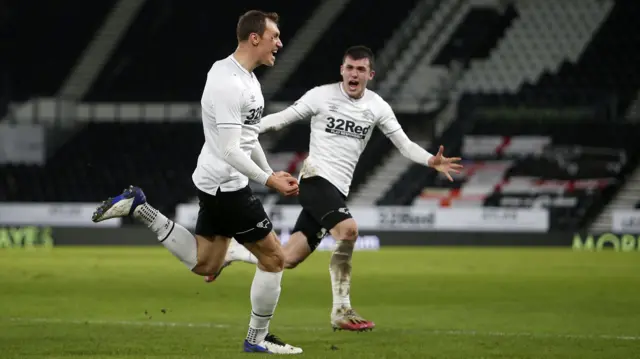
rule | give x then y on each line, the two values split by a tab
541	99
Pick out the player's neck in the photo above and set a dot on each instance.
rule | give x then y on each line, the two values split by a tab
245	58
346	93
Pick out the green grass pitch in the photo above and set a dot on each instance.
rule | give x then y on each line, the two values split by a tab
133	302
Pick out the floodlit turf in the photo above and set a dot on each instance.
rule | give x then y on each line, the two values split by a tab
428	303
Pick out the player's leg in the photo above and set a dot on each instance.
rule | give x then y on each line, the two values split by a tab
327	205
342	315
236	252
203	253
307	234
296	250
255	231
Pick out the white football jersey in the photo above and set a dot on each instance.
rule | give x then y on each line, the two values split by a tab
340	129
232	97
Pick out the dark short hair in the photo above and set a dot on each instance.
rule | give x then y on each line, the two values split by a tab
360	52
254	21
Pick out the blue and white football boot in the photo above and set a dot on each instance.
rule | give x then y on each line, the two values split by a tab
271	345
120	206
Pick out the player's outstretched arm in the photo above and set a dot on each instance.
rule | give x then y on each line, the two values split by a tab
388	124
305	107
279	120
417	154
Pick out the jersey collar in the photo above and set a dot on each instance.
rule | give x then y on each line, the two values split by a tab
345	94
233	58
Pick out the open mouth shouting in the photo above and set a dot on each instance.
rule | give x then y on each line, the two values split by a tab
353	85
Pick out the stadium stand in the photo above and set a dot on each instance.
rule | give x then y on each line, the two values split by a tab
167	52
457	40
534	165
477	34
91	165
141	69
608	64
543	35
109	156
586	88
40	57
530	73
423	37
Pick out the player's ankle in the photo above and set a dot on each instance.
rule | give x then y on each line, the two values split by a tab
340	307
256	335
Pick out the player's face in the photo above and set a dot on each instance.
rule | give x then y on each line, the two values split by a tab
269	44
355	76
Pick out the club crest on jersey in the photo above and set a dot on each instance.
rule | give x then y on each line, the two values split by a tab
254	116
368	115
338	126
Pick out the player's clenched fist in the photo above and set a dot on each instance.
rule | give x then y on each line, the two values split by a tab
284	183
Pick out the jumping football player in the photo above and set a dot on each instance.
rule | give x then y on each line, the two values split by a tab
232	106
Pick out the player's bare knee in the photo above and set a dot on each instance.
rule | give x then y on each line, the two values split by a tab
351	233
348	231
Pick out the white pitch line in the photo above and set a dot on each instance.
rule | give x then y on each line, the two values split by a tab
535	335
468	333
119	322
